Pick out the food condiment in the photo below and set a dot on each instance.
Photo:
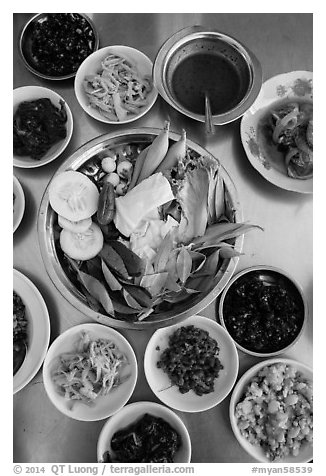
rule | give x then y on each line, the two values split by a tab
191	360
211	72
20	327
60	43
37	126
149	440
263	315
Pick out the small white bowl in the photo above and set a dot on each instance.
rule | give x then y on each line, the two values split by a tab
19	203
132	412
38	329
92	65
31	93
104	406
160	382
306	453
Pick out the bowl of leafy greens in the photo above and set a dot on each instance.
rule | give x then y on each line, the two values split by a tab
159	436
42	126
141	228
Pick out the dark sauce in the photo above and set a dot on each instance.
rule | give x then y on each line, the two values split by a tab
213	73
262	316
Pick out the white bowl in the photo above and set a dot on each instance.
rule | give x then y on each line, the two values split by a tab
38	329
160	382
132	412
92	65
19	203
104	406
295	85
306	453
31	93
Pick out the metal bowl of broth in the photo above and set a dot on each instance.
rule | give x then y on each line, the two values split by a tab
194	61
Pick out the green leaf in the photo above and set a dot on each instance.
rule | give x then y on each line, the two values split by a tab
163	253
221	232
184	264
97	290
210	266
113	260
133	263
227	252
140	294
112	281
131	301
154	283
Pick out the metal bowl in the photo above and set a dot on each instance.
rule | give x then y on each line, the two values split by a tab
198	40
25	46
270	275
126	140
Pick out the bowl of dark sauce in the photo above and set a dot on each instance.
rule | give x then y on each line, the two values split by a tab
264	311
53	45
196	60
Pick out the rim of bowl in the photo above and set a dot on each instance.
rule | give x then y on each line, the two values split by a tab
45	76
253	370
184	35
147	403
61	148
21	193
297	286
92	113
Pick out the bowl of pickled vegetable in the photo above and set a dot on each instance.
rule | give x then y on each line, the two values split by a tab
53	45
158	436
42	126
114	84
264	311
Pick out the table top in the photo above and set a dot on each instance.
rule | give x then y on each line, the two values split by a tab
282	43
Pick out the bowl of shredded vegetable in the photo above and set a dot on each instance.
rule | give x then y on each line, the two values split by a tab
114	84
90	372
42	126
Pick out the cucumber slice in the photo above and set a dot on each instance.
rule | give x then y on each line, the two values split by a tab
73	195
82	246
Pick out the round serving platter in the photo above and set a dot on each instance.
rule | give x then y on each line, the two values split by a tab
126	140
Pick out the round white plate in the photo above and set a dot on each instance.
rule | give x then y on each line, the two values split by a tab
38	329
31	93
104	406
132	412
19	203
160	383
306	453
92	65
293	85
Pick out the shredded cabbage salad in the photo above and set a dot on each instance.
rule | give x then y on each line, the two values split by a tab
93	369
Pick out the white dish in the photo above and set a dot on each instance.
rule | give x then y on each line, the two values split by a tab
293	85
19	203
132	412
38	329
31	93
306	454
92	65
104	406
160	382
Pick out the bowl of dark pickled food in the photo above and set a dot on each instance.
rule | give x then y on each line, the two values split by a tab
196	60
144	432
53	45
264	311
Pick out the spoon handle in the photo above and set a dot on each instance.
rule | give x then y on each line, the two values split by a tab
209	126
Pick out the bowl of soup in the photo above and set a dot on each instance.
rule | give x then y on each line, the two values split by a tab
196	60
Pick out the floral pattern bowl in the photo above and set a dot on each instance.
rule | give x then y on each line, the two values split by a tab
296	86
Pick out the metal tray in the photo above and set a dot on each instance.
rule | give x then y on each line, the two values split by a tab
47	218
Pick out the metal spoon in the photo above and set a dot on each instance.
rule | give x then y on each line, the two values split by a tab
209	126
19	357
